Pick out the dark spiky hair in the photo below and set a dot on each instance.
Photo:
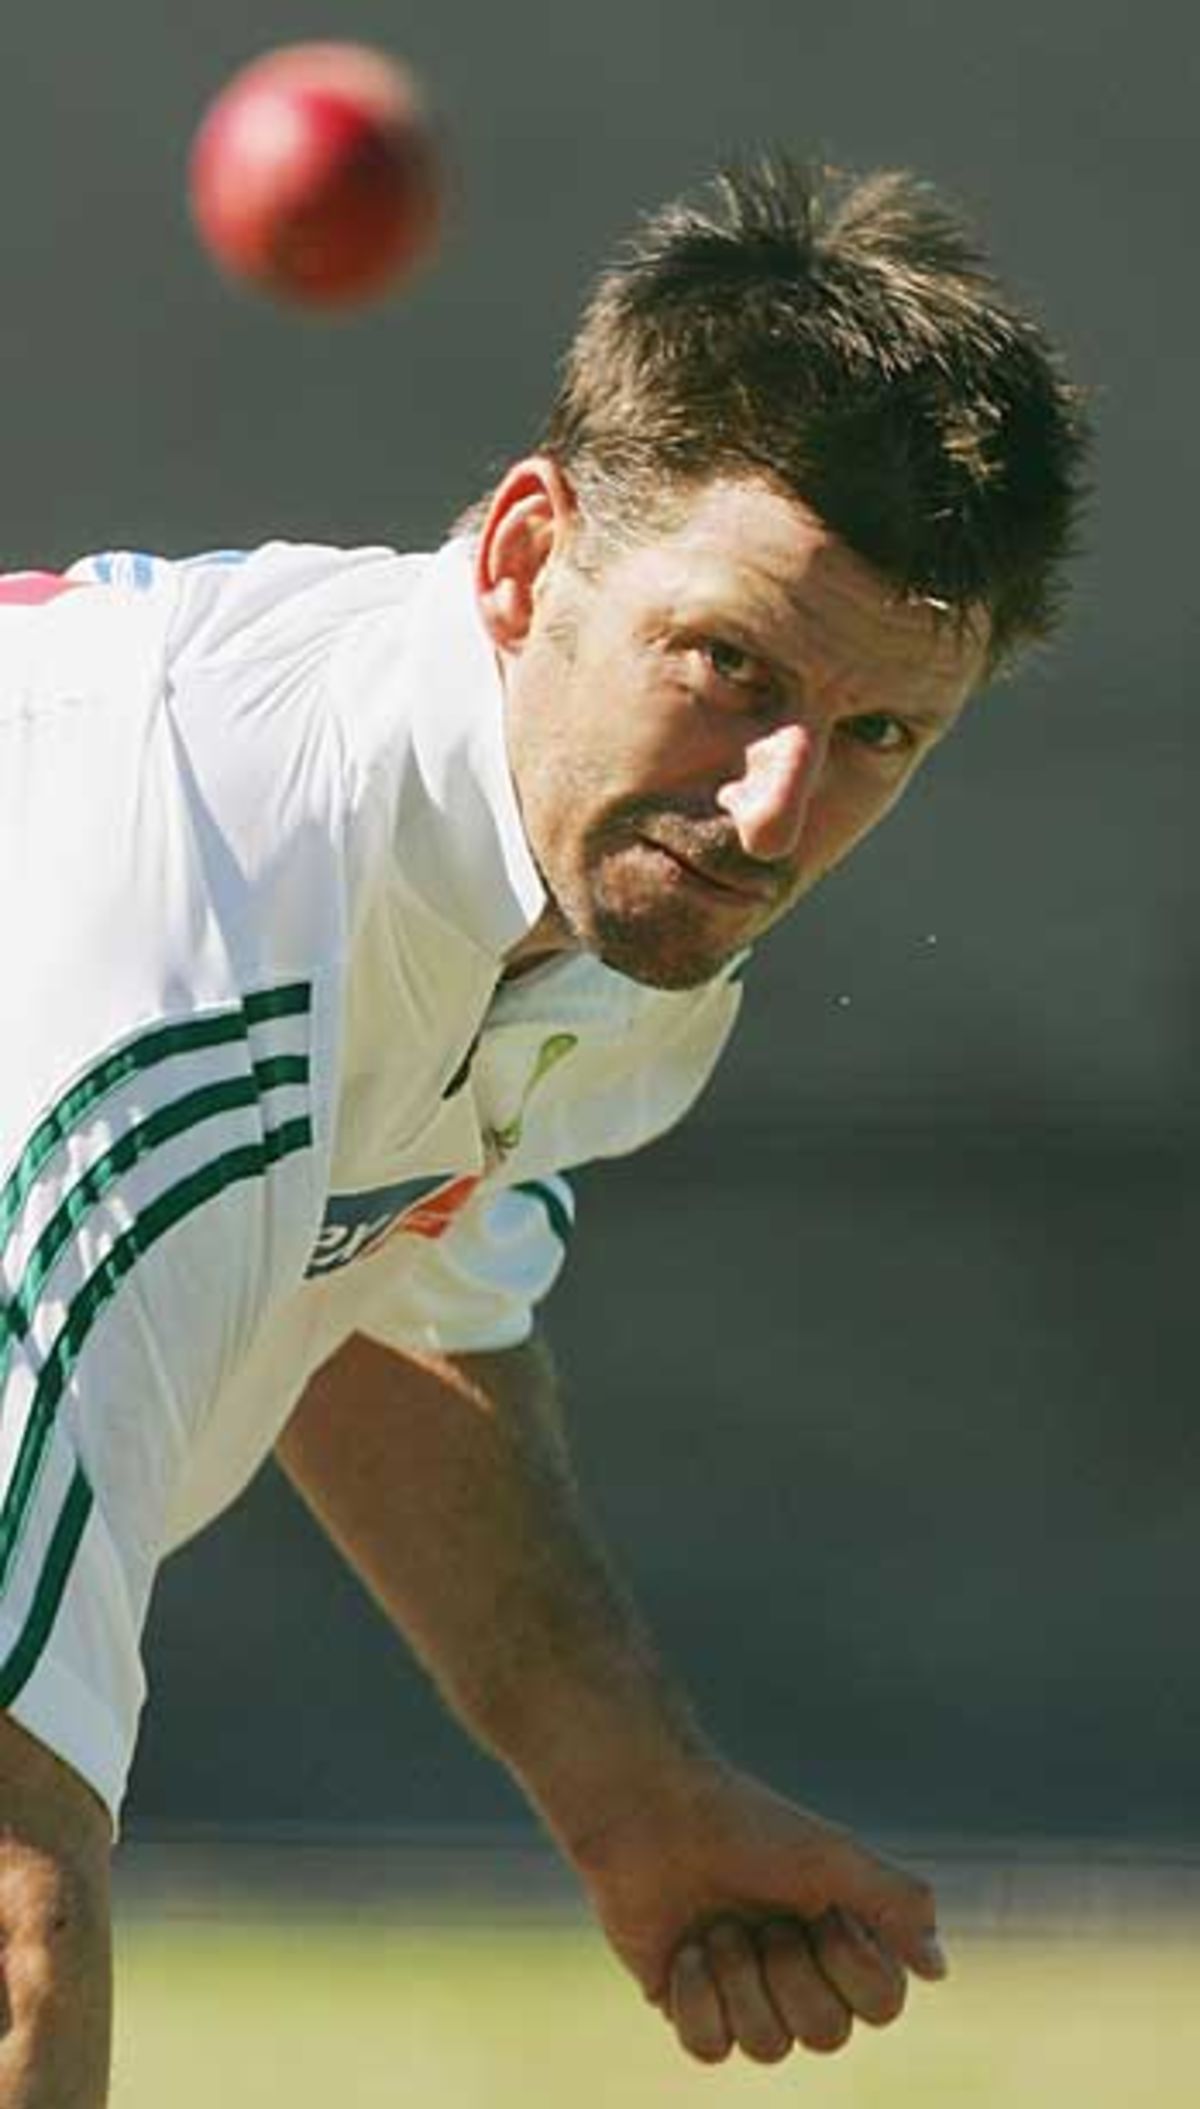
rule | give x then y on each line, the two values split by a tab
845	339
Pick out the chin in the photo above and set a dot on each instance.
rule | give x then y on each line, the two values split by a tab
658	959
662	939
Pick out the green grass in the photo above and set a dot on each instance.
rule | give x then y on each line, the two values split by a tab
491	2016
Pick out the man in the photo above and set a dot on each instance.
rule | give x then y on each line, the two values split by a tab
351	898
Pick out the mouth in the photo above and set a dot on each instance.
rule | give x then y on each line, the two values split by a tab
742	889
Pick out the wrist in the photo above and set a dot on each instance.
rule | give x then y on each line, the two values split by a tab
604	1756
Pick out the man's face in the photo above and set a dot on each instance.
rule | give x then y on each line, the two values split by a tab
706	725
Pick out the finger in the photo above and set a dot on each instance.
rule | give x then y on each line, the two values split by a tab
898	1907
860	1969
695	2008
737	1971
807	2002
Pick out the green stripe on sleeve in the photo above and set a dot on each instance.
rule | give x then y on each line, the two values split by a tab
247	1161
160	1044
275	1070
293	1000
22	1658
557	1213
206	1103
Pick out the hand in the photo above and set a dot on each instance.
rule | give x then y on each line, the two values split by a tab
750	1921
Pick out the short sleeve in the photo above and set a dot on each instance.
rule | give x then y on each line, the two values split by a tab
477	1286
155	1207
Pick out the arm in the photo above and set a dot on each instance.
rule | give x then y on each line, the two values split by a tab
55	1947
445	1482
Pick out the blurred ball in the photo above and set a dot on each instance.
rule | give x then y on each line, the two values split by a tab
315	175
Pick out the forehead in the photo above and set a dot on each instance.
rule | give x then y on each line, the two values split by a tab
741	551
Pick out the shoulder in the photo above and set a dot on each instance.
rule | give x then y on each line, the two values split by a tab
257	601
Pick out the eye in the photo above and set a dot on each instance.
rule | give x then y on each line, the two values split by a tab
880	733
728	667
727	660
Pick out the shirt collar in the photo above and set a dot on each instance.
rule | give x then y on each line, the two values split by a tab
458	822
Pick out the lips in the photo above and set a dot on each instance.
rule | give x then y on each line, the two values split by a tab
752	888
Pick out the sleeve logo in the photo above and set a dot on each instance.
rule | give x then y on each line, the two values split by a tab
356	1225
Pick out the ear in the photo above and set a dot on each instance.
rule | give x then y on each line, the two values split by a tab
529	517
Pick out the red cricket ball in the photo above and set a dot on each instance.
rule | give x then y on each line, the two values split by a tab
315	175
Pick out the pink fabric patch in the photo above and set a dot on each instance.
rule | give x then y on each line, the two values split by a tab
27	588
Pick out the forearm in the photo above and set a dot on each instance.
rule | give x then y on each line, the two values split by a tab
55	1946
447	1485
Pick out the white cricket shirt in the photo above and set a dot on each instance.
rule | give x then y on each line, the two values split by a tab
261	1084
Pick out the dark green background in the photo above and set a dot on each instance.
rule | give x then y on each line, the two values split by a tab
882	1371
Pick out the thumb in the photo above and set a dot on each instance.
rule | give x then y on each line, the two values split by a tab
897	1907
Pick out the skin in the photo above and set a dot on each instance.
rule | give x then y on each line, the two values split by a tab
750	1922
55	1948
704	727
700	727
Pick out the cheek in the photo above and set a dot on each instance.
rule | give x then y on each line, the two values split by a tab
639	727
853	806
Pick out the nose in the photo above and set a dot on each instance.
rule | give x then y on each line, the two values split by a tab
768	802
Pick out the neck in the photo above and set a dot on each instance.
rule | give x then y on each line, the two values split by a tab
548	939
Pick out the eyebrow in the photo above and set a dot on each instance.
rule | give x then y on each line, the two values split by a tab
756	630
